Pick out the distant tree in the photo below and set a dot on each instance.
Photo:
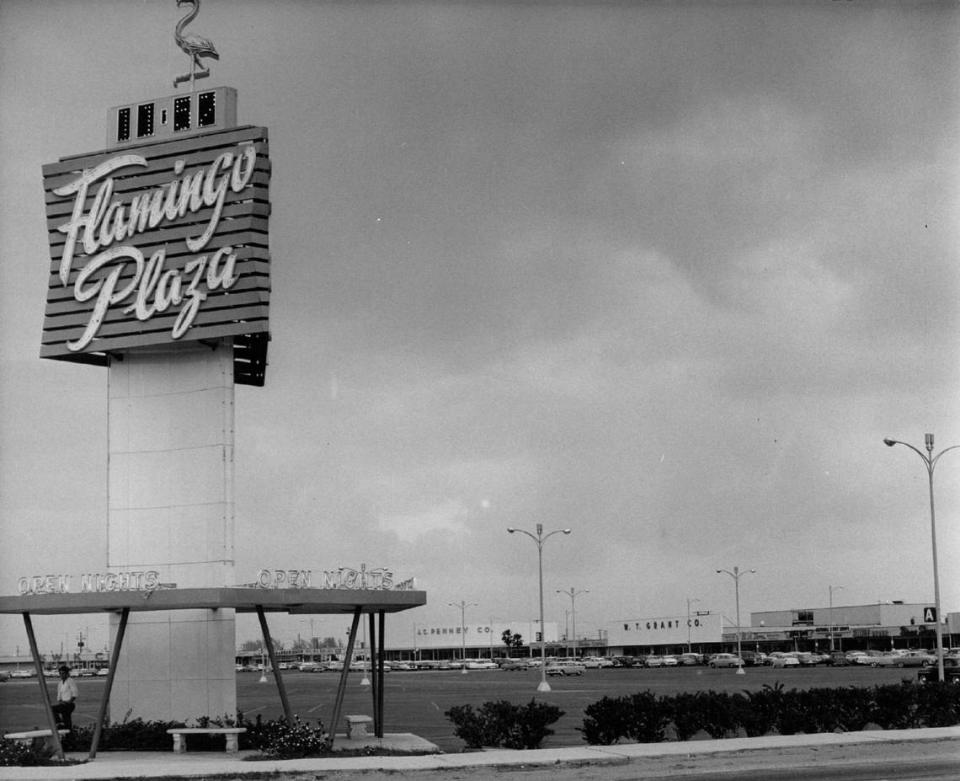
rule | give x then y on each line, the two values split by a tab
250	646
300	646
511	640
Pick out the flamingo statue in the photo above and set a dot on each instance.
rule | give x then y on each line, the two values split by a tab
194	46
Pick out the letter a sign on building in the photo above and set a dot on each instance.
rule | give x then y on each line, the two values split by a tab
929	615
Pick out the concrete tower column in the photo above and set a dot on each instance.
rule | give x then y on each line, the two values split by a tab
171	509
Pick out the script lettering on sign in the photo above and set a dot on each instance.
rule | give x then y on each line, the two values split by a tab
115	272
378	579
93	582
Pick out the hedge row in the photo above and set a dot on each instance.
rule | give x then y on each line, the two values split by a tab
648	718
502	724
274	738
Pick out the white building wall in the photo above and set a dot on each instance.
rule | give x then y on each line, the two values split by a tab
481	635
664	631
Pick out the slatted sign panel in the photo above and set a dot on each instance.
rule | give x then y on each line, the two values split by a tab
159	244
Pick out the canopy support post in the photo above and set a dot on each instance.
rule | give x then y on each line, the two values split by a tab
44	694
287	712
379	705
344	673
112	670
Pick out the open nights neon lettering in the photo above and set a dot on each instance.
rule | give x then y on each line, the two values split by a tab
102	228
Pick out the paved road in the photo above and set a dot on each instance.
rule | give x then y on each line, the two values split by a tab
926	761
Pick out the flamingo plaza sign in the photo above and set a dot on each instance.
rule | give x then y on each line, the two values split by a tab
161	243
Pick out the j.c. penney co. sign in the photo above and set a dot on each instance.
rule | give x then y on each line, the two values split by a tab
156	244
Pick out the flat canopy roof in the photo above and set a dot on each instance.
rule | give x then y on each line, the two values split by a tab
241	599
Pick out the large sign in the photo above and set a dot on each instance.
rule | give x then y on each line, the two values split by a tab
666	630
161	243
135	580
375	579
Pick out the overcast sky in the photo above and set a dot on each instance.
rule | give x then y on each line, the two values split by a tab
662	273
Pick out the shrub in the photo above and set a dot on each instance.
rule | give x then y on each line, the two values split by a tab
896	707
503	724
718	716
605	721
531	725
281	740
686	713
640	717
12	752
133	735
853	706
939	704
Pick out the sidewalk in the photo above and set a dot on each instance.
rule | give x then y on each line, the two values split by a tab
207	765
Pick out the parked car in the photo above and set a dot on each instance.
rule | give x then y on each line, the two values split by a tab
4	675
904	659
403	666
23	673
725	660
854	657
653	660
481	664
784	660
564	668
951	671
310	667
670	661
752	657
919	659
690	659
809	659
836	659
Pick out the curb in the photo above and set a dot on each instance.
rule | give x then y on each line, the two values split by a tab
208	765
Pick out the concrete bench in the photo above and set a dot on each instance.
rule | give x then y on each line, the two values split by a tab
43	736
180	733
357	726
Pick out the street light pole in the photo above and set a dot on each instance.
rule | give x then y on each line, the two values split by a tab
930	462
736	574
832	589
540	539
690	602
463	632
573	594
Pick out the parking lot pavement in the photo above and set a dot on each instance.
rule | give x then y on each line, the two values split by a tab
611	763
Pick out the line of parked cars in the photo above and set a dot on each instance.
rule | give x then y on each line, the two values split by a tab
896	658
562	666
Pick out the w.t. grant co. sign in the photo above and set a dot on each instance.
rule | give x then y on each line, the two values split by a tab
160	243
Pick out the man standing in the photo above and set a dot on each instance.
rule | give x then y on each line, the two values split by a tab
66	698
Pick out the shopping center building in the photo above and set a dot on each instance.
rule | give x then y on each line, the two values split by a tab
880	626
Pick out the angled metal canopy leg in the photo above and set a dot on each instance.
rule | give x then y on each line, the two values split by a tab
44	694
344	673
287	712
112	670
379	706
375	671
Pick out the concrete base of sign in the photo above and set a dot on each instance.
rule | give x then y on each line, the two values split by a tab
171	435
